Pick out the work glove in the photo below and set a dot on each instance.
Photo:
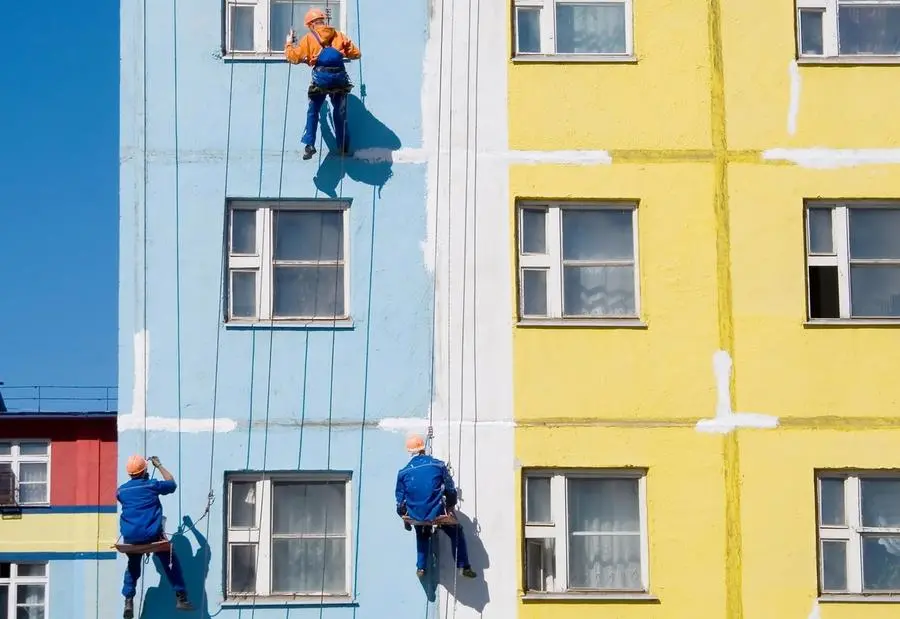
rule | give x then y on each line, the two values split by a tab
407	526
291	37
155	462
401	510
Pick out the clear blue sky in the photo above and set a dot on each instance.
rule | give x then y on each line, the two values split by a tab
59	81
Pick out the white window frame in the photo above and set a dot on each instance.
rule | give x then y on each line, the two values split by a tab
16	458
261	535
15	580
558	529
852	531
840	256
263	263
552	261
548	29
261	12
830	34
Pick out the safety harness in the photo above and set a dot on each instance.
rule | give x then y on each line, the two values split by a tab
329	75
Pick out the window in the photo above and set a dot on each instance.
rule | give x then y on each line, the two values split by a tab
586	531
859	532
288	535
575	27
286	260
23	590
254	27
829	28
578	261
853	260
30	463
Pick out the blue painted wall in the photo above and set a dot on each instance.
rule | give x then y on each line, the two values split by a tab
262	374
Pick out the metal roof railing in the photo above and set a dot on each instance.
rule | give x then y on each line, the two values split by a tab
58	399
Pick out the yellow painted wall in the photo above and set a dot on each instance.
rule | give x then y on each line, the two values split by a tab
721	255
685	507
59	533
660	102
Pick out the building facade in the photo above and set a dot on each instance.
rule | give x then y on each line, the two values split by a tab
57	513
586	244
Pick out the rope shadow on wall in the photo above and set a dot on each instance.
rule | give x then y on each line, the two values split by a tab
373	144
160	600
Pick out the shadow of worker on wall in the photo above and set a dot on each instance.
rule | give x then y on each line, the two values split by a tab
372	145
470	592
160	601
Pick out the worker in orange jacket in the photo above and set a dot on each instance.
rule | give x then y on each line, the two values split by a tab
325	50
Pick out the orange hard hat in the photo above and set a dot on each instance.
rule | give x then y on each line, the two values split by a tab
415	443
136	465
312	15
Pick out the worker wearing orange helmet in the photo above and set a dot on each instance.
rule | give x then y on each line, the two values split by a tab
141	523
325	50
425	490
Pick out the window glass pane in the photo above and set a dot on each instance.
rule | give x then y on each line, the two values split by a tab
309	235
824	295
881	563
811	32
243	294
598	291
29	612
528	31
534	292
880	502
540	564
32	569
605	562
308	565
32	472
537	499
242	28
590	28
30	594
534	231
875	290
309	508
309	291
5	449
831	501
32	493
284	15
598	235
869	29
874	233
243	232
820	236
243	568
4	601
834	566
243	504
600	505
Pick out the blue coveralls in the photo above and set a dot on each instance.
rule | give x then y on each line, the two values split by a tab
142	523
422	486
329	78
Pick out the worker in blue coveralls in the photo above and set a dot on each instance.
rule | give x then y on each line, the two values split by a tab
425	491
141	523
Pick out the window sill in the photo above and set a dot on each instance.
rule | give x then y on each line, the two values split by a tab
848	60
574	59
591	596
600	323
854	598
290	601
253	57
852	322
341	324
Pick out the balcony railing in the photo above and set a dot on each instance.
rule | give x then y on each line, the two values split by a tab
58	399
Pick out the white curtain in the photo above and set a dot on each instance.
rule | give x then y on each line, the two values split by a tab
604	534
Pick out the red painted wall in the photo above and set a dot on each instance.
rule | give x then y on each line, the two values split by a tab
83	456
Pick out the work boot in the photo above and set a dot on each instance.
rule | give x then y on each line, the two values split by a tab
308	152
182	601
468	572
129	609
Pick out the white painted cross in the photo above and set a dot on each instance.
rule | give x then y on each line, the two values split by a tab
725	420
